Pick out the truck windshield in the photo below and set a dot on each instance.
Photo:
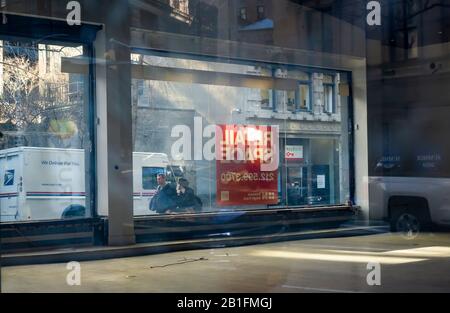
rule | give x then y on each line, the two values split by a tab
149	175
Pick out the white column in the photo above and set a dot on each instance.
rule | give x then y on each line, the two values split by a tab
114	129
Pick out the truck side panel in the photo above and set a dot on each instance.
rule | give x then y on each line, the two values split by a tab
54	180
434	190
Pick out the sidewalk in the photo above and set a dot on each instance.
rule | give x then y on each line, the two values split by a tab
313	265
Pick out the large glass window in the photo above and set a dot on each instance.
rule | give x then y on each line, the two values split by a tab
209	119
43	116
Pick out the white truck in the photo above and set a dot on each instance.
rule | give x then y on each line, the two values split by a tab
49	183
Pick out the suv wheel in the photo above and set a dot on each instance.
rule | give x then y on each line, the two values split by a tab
409	223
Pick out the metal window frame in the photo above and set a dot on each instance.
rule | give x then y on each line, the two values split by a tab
310	95
309	70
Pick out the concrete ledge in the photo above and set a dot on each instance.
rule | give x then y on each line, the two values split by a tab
101	253
32	236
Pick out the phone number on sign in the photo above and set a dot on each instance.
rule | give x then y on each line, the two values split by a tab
243	177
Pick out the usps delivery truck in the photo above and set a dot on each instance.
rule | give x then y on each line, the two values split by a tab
49	183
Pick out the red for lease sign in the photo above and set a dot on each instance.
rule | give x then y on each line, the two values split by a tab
241	152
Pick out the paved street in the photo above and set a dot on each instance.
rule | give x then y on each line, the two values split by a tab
315	265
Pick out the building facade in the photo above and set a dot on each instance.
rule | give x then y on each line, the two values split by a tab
261	106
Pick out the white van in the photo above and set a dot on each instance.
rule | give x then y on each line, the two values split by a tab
146	166
49	183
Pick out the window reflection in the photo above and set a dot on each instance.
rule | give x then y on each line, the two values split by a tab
175	108
43	123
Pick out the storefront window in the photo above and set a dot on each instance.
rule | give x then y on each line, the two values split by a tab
209	120
43	122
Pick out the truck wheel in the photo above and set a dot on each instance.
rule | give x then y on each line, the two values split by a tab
74	211
409	222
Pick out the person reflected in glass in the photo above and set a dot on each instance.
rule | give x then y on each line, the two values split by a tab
164	200
187	201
